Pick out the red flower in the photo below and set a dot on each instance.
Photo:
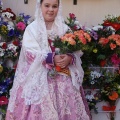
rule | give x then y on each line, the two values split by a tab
16	42
107	23
10	11
102	63
116	26
4	46
3	100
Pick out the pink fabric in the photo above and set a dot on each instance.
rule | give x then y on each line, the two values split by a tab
30	57
62	103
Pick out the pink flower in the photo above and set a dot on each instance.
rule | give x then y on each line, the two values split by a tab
72	16
115	59
103	41
21	26
3	100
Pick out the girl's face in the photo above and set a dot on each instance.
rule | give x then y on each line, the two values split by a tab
49	9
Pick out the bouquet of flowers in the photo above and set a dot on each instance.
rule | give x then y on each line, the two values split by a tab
72	42
12	28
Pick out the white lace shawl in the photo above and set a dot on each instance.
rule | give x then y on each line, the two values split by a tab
31	75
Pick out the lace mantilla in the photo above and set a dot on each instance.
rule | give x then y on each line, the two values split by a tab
32	77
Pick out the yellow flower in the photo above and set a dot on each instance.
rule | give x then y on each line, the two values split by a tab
1	69
95	50
4	29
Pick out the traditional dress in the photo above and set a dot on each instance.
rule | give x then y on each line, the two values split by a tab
36	95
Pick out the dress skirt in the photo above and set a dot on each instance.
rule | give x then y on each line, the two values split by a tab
63	102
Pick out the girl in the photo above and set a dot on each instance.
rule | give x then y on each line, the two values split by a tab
38	92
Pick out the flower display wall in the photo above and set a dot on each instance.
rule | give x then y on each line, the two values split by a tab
101	62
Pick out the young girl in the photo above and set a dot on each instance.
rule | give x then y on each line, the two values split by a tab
38	92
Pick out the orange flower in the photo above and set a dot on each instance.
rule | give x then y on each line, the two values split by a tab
114	37
113	96
79	32
82	39
71	41
112	46
87	36
68	36
118	42
103	41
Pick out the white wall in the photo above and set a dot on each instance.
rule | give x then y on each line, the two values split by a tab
88	12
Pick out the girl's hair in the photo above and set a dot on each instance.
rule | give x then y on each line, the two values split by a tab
42	1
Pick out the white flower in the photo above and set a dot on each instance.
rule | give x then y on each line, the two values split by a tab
2	52
10	27
76	22
9	15
78	27
89	97
57	50
96	28
111	28
3	14
12	47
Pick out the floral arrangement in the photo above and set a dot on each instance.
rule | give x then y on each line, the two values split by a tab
103	40
111	20
102	84
104	58
71	42
12	27
11	33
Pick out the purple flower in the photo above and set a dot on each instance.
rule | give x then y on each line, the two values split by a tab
17	33
25	17
11	33
94	34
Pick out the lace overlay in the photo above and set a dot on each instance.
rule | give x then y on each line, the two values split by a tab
57	105
51	35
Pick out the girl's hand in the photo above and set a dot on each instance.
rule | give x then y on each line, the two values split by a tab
63	60
57	58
